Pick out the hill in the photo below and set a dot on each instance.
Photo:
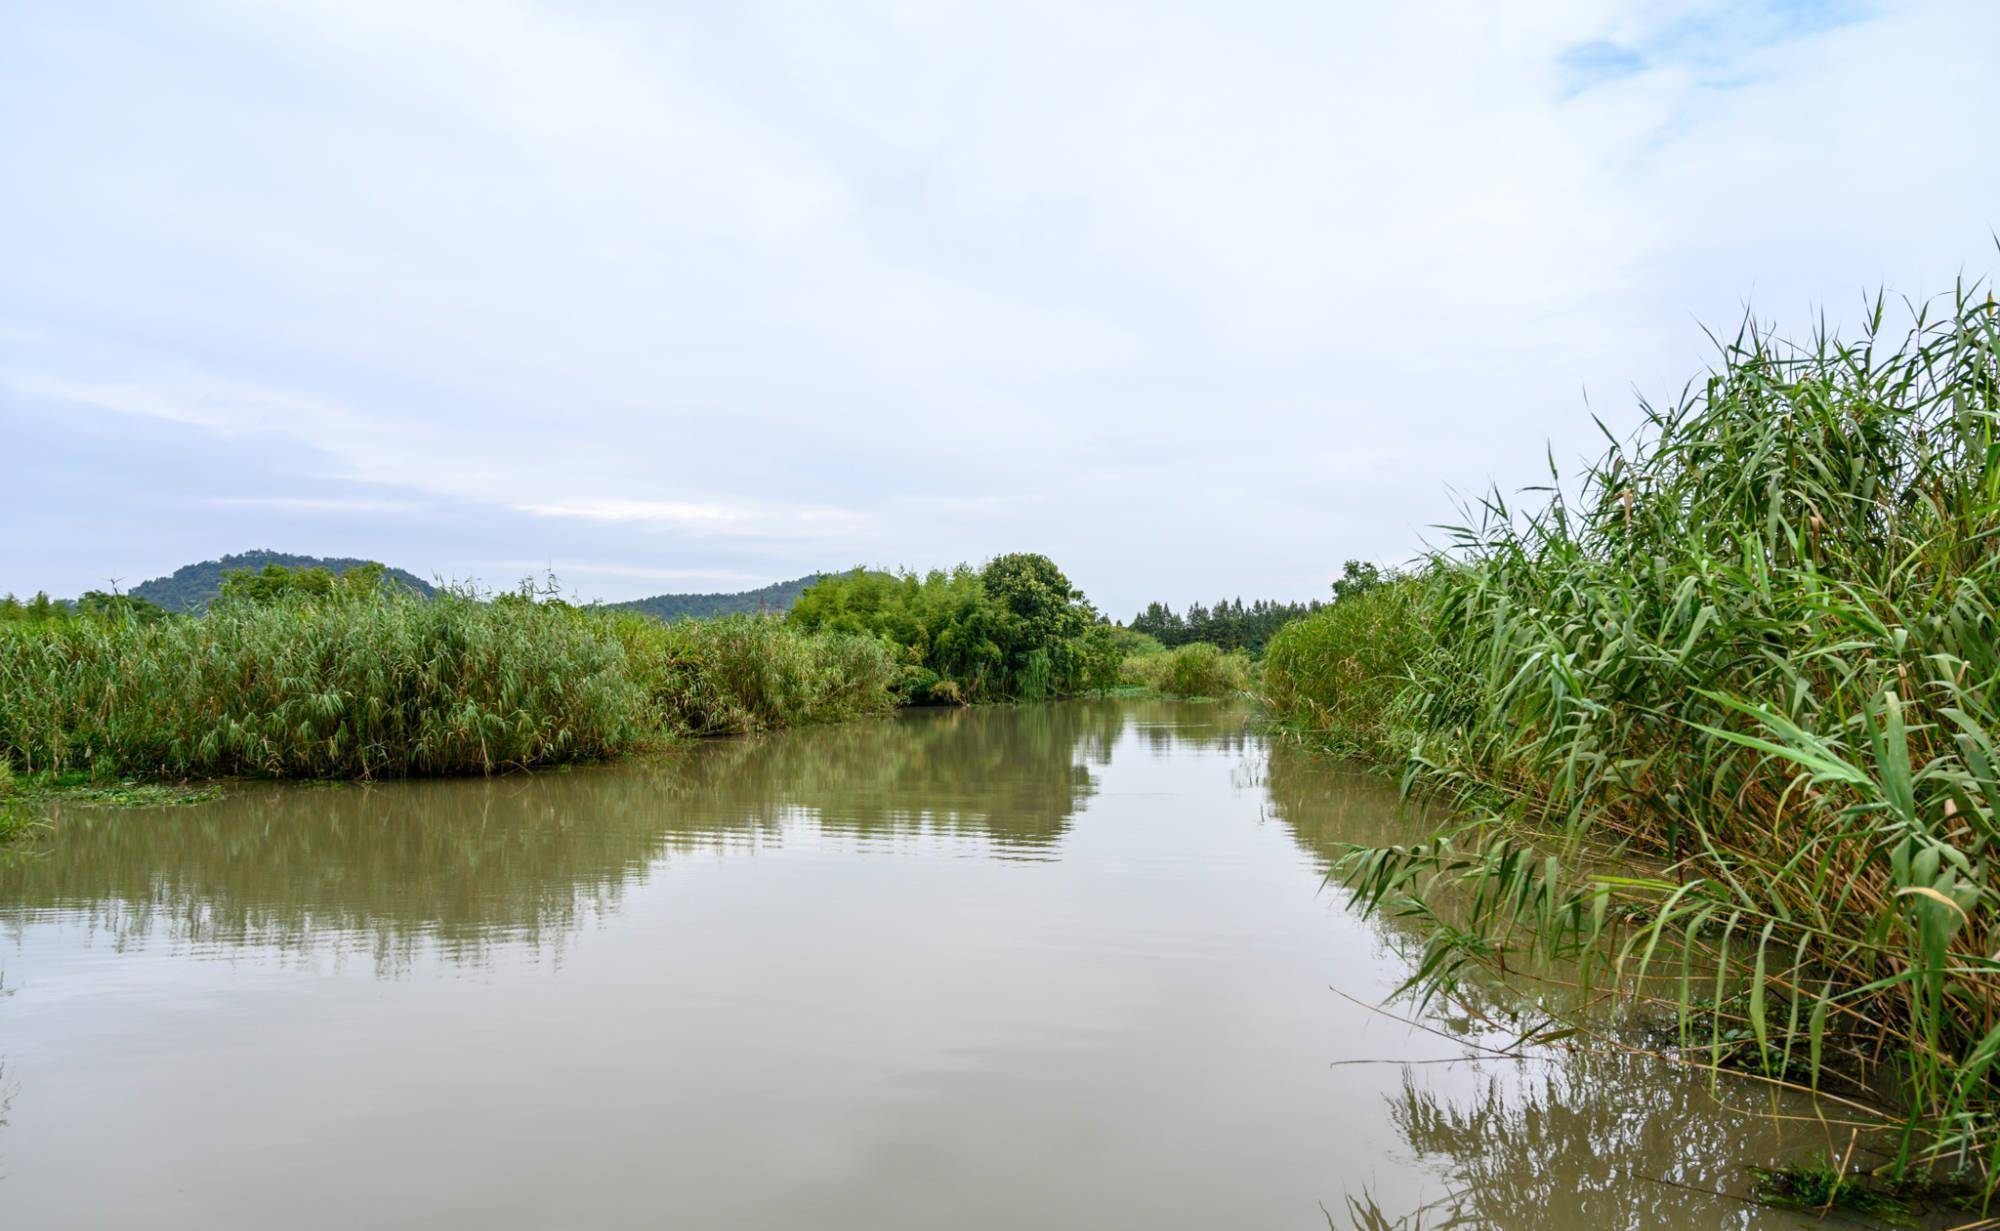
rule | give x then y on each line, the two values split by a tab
192	587
777	597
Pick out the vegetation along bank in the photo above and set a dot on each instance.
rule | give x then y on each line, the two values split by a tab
308	673
1757	652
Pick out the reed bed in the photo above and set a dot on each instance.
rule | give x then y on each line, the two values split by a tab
743	673
1196	669
1755	658
372	682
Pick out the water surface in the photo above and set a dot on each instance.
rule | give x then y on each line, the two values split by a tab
1061	966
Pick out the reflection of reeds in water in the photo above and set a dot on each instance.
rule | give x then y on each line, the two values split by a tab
1553	1138
1599	1141
456	866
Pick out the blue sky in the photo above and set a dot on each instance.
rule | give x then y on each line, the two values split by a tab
1200	299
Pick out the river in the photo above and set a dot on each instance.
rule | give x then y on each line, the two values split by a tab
1059	966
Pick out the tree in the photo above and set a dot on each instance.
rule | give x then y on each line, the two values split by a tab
1029	587
1357	577
274	582
1016	628
100	605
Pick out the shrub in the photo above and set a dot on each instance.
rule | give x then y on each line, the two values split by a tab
1198	670
753	673
1015	630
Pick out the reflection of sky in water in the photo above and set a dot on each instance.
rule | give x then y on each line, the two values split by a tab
1052	965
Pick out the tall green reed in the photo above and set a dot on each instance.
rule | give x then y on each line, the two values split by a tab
1757	653
371	683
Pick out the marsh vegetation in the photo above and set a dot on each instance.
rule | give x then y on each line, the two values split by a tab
312	674
1722	723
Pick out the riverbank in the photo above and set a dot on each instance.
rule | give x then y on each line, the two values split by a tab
1760	651
378	682
304	675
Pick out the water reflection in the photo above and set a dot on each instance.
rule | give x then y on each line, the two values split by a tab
1597	1138
462	865
1013	777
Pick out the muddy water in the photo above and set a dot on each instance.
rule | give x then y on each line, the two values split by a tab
1057	966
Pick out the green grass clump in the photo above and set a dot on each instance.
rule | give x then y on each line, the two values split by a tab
371	681
743	673
1758	650
14	818
1820	1187
1331	673
356	684
1196	669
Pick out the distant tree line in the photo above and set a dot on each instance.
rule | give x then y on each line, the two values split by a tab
1233	625
41	609
270	584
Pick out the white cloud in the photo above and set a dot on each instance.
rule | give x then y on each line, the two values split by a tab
307	504
1194	298
574	568
656	512
744	520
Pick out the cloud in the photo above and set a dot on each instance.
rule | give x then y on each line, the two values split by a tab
1588	64
655	512
576	568
746	520
307	504
1195	301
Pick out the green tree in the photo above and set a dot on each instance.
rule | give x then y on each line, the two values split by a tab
1357	577
275	582
100	605
1015	629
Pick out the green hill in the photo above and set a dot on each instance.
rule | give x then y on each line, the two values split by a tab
192	587
776	598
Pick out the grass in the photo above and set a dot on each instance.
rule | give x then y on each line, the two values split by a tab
1819	1187
15	818
737	674
1722	726
370	683
1196	669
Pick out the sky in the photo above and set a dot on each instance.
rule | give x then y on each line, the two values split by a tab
1198	299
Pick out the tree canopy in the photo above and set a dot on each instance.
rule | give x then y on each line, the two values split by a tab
1015	629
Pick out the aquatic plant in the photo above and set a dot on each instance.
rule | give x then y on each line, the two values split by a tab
1758	651
363	681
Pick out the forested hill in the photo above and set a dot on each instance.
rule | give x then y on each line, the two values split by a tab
192	587
776	598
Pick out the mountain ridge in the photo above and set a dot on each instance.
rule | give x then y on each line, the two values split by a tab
192	587
776	598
